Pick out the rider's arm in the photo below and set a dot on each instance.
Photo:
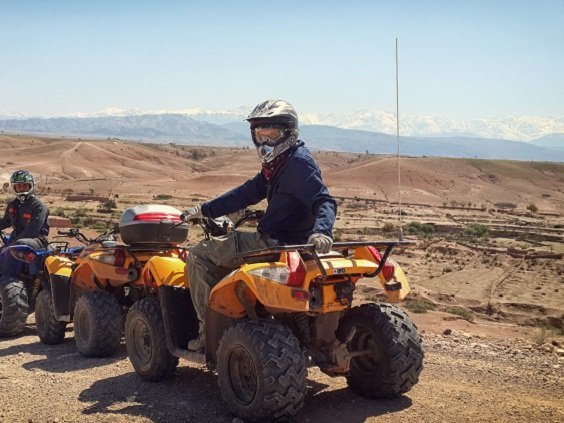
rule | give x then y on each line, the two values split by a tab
304	180
5	222
36	221
251	192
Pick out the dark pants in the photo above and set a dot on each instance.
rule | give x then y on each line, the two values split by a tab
9	266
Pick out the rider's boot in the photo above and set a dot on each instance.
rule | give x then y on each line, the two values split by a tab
198	343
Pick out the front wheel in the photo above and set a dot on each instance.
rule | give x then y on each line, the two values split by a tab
386	347
97	324
146	343
261	371
14	307
49	329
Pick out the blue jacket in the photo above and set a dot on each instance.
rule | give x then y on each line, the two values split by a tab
299	203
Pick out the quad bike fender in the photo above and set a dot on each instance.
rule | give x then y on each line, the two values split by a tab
59	271
396	295
239	291
165	271
61	266
394	292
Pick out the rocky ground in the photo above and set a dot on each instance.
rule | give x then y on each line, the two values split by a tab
469	375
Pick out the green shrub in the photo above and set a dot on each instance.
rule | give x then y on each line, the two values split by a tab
100	226
109	204
418	228
81	212
59	211
162	197
461	311
419	305
477	230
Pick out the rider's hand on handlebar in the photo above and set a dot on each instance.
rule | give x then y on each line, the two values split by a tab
192	213
322	242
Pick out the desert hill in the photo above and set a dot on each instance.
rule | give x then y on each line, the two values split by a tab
133	168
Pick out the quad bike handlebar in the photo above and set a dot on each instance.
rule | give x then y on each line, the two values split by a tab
79	236
222	225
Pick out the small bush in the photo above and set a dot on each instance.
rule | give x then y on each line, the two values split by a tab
162	197
59	211
109	204
532	208
505	205
418	228
81	212
461	311
477	230
420	305
100	226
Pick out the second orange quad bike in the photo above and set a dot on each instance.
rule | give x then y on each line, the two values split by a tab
284	309
96	288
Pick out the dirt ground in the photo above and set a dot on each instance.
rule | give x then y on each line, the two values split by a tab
507	365
477	372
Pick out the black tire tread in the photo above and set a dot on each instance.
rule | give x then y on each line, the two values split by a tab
49	329
165	363
105	318
401	348
281	366
15	307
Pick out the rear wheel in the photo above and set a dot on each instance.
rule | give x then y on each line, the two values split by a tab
146	343
387	350
14	307
49	329
261	371
97	324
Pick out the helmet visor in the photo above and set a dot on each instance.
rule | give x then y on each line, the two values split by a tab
268	135
21	187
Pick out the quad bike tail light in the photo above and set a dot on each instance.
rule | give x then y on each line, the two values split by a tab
157	217
25	256
389	269
291	274
117	258
297	269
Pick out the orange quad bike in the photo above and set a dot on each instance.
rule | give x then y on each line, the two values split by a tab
284	309
95	289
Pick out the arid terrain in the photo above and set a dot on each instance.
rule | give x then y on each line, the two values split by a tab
486	271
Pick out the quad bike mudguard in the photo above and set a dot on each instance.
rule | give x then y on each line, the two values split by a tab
168	275
60	270
165	271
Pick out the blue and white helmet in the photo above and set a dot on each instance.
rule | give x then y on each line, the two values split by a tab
269	115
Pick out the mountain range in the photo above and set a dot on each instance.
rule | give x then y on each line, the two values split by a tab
344	134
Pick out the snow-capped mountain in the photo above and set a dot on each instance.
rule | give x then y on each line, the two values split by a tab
520	128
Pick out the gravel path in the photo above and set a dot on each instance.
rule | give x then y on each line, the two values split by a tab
466	378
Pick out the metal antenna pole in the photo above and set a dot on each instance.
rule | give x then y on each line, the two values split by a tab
400	230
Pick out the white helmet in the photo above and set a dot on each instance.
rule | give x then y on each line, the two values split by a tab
274	128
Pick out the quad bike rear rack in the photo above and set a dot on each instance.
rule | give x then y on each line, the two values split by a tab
337	246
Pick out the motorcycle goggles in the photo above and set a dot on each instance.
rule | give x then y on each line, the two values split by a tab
268	135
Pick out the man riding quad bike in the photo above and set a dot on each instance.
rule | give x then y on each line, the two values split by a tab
261	306
20	282
300	208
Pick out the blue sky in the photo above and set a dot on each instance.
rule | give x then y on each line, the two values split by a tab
458	59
